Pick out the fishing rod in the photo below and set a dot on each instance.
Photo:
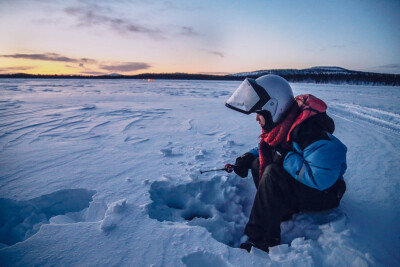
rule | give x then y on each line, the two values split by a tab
228	168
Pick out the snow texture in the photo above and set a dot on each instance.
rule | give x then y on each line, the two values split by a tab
106	173
112	215
22	219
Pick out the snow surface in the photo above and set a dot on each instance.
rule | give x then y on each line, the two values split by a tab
106	173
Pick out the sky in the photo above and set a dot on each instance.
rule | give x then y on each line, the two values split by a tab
209	36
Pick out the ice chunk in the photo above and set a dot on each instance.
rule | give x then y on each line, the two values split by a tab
112	217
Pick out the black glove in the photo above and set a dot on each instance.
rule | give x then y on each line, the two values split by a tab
243	164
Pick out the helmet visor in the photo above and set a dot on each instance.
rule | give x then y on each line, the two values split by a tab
248	97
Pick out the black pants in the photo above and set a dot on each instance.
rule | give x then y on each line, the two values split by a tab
279	196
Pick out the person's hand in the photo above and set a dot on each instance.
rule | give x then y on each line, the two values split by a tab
243	164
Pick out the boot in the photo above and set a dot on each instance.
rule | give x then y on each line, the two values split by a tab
260	244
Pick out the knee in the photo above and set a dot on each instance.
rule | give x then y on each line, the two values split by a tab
272	170
274	175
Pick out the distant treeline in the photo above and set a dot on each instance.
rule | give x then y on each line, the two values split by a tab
352	77
341	78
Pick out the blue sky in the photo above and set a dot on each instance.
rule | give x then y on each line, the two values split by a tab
130	36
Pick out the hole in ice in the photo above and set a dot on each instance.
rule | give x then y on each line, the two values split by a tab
20	220
175	203
220	205
190	215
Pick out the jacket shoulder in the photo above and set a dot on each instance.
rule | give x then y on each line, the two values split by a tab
331	147
313	129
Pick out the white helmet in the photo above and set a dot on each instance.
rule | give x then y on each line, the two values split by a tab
270	95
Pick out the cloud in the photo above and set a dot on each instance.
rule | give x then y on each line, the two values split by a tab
188	31
44	57
50	57
16	69
216	53
92	13
88	60
95	15
126	67
80	63
213	52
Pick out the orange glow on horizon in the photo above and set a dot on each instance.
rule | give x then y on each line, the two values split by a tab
38	67
35	67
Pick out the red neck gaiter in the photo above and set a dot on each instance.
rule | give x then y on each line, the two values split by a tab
276	137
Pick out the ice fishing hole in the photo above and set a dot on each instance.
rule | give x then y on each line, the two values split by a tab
190	215
220	205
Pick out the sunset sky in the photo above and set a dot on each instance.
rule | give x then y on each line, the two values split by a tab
210	36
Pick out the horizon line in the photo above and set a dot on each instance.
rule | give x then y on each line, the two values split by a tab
218	74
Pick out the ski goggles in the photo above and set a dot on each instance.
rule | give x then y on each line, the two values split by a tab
248	98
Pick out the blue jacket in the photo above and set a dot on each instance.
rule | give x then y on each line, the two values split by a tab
319	165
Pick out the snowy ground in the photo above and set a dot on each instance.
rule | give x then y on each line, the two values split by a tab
106	173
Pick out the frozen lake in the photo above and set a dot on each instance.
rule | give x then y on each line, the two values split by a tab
106	172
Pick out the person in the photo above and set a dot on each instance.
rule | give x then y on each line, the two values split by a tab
298	165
